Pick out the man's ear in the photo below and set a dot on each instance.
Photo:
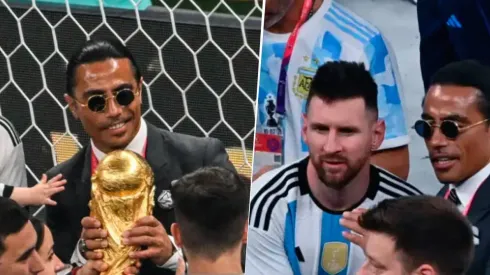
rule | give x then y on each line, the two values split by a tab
175	231
378	134
245	233
425	269
71	105
304	127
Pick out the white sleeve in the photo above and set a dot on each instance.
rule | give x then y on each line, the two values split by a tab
12	160
77	257
173	262
266	254
382	64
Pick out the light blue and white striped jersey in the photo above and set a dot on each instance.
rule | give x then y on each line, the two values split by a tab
332	33
291	233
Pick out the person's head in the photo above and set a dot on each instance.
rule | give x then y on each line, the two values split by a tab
418	235
454	120
275	11
18	255
44	247
341	124
103	91
211	212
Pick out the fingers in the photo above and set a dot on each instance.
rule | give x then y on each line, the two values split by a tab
94	256
142	241
145	254
54	179
44	178
141	231
350	221
57	183
149	221
50	202
90	223
52	191
354	238
133	270
96	244
98	266
94	234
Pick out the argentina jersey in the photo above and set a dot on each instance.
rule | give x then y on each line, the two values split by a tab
291	233
332	33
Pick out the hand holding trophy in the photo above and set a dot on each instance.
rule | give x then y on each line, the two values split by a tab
122	193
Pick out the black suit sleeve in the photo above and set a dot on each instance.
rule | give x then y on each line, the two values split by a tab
60	228
435	47
487	266
216	155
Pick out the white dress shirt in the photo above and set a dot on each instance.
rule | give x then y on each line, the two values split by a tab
468	188
137	145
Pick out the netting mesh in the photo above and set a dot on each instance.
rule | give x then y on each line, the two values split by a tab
199	69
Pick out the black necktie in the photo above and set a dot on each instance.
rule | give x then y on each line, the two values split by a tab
454	197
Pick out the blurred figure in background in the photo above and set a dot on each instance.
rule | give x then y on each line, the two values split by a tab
452	30
300	36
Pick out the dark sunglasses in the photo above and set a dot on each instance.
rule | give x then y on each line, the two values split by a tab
449	128
98	103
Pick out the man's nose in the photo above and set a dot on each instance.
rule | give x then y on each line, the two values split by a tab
35	263
438	139
332	144
113	108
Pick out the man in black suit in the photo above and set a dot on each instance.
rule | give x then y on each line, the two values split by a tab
104	87
455	125
450	31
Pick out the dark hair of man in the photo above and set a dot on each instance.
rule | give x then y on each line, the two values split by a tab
211	207
467	73
12	219
98	50
426	230
342	80
39	228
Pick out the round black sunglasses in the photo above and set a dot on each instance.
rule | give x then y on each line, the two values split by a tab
98	103
449	128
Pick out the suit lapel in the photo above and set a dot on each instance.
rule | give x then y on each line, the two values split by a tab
156	152
84	186
480	205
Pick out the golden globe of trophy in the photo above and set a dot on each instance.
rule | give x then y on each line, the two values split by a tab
122	192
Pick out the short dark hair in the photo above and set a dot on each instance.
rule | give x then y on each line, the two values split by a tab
211	207
426	230
39	228
467	73
342	80
97	50
12	219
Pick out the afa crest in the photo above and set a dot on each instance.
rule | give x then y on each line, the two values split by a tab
334	257
302	82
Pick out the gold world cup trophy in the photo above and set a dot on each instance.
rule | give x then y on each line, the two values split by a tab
122	192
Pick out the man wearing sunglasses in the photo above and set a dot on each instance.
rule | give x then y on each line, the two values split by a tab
455	126
104	92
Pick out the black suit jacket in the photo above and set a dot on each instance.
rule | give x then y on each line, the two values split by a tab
452	30
479	216
171	156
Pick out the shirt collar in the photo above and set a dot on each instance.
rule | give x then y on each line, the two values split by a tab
468	188
137	145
